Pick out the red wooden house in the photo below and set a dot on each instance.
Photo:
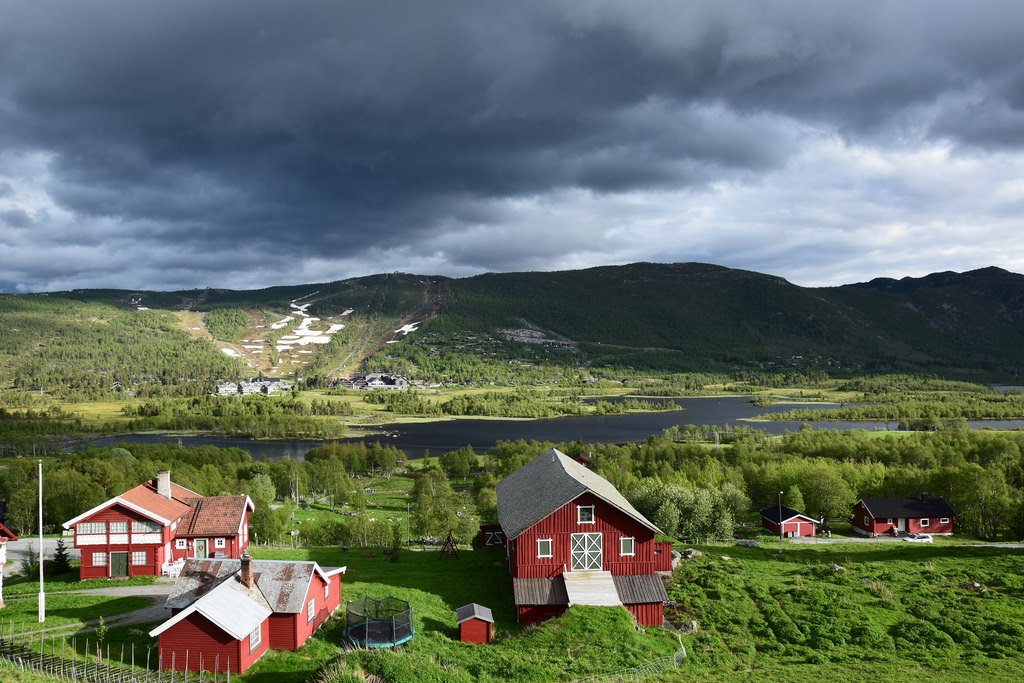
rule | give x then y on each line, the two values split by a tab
227	613
476	624
923	514
5	535
572	538
146	529
787	522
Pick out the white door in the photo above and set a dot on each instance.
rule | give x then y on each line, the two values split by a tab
585	550
901	523
199	547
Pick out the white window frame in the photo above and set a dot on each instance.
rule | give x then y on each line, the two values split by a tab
310	610
100	559
219	543
632	546
925	522
579	514
256	637
888	520
145	527
180	544
91	528
327	590
943	520
138	558
551	547
118	527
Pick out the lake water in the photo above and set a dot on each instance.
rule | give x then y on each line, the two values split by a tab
439	437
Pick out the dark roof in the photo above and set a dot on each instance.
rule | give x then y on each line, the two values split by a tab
771	513
540	591
637	589
473	611
548	482
922	506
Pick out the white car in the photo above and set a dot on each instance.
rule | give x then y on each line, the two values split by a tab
918	538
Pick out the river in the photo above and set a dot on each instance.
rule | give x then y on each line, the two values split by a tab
439	437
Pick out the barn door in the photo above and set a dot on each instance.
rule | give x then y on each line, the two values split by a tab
119	564
586	551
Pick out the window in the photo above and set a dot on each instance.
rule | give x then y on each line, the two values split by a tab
138	557
119	527
585	514
99	559
327	590
925	522
218	543
626	546
867	521
145	527
181	544
310	609
544	547
91	528
888	520
944	520
256	637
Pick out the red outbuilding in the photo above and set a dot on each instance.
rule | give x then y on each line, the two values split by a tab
491	536
923	514
476	624
787	522
156	525
227	613
573	539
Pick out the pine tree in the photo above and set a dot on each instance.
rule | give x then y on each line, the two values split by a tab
61	559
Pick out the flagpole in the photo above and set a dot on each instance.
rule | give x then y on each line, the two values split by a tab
42	593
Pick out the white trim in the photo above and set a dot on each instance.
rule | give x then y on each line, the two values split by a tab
310	610
181	544
551	547
593	514
252	508
943	520
258	631
198	606
116	501
924	522
632	546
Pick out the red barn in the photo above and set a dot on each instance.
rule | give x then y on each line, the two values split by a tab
476	624
145	529
573	539
792	524
923	514
229	612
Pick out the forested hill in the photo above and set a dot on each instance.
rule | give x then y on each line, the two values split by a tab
657	317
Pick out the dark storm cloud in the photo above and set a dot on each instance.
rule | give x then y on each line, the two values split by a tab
327	129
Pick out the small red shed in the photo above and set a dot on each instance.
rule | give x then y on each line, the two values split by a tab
476	624
491	536
784	521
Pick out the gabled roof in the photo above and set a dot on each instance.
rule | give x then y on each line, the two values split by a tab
6	534
214	516
922	506
771	513
473	611
145	500
283	583
235	609
548	482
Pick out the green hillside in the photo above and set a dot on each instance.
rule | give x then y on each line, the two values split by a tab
511	327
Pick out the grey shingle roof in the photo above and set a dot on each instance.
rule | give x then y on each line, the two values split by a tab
540	591
473	611
545	484
634	590
282	582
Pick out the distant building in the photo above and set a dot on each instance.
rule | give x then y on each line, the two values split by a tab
791	524
376	381
572	538
923	514
476	624
227	613
145	530
246	387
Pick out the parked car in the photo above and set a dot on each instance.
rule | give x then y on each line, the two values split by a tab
918	538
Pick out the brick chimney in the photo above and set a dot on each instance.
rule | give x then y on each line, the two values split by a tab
246	576
163	483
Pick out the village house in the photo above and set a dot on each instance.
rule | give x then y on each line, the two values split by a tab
376	381
573	539
247	387
227	613
783	521
5	535
150	529
923	514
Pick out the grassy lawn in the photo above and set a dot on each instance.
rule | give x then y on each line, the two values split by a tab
895	610
65	609
62	583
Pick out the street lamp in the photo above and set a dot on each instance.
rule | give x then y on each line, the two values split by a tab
780	515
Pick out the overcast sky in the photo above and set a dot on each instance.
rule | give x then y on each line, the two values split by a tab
237	143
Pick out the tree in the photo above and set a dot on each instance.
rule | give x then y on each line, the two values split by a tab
666	518
828	493
793	499
458	463
61	559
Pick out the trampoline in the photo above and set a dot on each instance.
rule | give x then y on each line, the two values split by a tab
378	623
